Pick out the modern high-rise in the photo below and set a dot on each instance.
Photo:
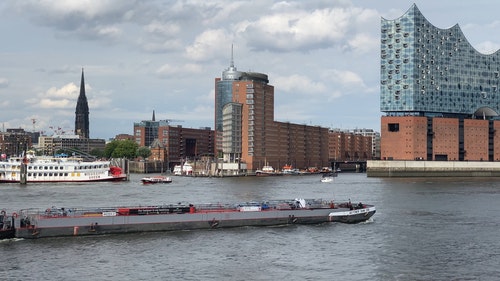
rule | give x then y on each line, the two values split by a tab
440	96
247	133
82	113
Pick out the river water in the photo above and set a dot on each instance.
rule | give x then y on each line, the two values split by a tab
424	229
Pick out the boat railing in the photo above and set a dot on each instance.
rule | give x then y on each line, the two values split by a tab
174	208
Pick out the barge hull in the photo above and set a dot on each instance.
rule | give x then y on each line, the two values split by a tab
83	226
57	227
60	222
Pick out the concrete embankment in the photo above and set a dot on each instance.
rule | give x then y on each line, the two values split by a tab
379	168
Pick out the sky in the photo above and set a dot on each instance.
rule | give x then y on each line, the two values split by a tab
321	56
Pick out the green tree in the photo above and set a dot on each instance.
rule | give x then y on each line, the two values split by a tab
121	149
110	147
125	149
96	152
143	152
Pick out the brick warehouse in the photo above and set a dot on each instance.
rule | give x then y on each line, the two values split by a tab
244	106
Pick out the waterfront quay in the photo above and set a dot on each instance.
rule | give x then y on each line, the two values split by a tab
393	168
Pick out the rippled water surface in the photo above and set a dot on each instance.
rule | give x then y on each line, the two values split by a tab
424	229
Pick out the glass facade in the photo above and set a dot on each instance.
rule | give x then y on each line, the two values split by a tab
428	71
224	95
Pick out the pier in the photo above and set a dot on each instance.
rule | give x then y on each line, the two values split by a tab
395	168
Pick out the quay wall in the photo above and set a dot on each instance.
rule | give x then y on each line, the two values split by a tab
392	168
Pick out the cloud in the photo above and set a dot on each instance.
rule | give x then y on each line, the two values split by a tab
55	98
162	28
363	43
487	47
303	30
169	71
68	15
298	83
4	82
208	45
86	19
346	78
161	47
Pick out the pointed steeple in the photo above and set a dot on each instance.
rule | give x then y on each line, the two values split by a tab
82	112
153	119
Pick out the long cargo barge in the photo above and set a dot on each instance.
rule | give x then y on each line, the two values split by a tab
58	222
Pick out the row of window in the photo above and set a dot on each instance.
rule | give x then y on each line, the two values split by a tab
47	174
62	167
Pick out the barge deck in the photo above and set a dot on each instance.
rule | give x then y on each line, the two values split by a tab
58	222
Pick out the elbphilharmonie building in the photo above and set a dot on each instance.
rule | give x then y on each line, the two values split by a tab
440	96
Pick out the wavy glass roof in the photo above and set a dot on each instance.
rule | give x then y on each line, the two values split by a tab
427	70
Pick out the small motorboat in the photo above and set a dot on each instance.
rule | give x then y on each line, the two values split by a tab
156	179
328	177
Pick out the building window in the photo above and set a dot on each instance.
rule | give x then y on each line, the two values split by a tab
393	127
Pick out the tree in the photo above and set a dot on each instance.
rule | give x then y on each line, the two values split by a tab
143	152
96	152
121	149
110	147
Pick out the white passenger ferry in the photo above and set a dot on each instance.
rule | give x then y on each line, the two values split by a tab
58	169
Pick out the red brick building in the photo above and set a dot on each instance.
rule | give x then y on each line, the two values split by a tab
178	143
349	146
439	138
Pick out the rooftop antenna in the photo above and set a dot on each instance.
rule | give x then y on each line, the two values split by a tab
232	58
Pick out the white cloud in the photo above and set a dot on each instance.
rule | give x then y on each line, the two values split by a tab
208	45
487	47
63	97
161	47
306	30
4	82
298	83
346	77
186	70
363	43
163	28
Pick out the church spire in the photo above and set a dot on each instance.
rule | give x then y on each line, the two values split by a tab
153	119
82	112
